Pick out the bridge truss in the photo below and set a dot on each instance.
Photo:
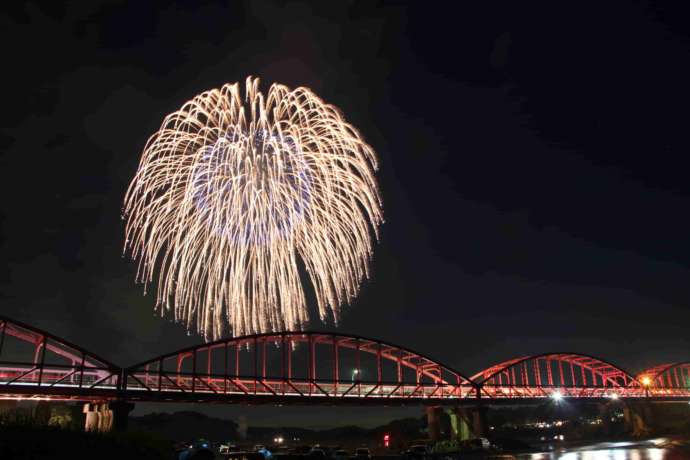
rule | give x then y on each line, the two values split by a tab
667	380
312	367
557	375
38	365
298	365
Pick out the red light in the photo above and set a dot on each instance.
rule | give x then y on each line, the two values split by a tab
386	440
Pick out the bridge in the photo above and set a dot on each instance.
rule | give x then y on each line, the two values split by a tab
314	368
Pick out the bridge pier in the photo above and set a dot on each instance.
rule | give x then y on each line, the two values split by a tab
105	417
460	424
433	422
120	410
479	423
95	417
468	422
638	417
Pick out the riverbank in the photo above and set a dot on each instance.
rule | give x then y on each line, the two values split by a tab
19	442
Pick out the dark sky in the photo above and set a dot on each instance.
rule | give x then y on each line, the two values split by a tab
533	166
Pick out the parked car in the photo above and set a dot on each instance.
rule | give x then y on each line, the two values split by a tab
417	451
198	450
317	453
227	447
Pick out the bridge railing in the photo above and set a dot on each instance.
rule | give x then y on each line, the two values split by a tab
276	386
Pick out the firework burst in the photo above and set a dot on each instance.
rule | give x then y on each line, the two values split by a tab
234	194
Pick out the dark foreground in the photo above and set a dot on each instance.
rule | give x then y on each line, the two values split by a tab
25	442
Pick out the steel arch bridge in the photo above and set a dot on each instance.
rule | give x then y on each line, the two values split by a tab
672	379
37	364
313	368
570	375
297	365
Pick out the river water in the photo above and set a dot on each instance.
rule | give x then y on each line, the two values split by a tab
653	449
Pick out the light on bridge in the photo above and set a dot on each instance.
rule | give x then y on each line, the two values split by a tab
556	396
646	381
613	396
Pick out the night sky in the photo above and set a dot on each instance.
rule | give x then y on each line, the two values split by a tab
533	167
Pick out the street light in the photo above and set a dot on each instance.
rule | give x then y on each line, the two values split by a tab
355	372
556	396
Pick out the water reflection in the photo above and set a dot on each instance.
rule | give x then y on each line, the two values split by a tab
608	454
656	449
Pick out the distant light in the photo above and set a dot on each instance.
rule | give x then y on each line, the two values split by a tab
613	396
556	396
646	381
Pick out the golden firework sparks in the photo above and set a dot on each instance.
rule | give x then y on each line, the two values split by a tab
232	195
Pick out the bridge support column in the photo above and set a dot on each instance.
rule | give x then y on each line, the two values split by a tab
479	424
460	424
105	417
91	418
637	416
468	423
433	423
120	410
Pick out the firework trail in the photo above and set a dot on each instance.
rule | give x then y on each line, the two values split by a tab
234	194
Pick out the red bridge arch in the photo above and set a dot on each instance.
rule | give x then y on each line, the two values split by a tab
563	374
43	365
294	365
672	379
